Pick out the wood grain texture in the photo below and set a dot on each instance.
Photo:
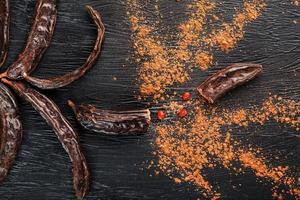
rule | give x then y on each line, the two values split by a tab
42	168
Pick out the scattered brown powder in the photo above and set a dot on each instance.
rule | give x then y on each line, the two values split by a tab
186	150
282	111
156	69
233	32
190	34
203	59
182	55
249	160
277	175
276	108
190	30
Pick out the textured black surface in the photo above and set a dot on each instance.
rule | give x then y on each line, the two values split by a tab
42	169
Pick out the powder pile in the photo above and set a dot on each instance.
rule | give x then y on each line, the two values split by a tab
156	71
189	31
187	150
189	50
275	108
162	66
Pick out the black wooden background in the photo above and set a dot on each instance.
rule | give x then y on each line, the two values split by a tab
42	169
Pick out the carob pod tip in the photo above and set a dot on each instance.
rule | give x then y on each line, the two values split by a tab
38	40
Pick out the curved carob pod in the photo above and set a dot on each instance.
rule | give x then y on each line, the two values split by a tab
10	130
135	122
61	81
38	40
62	128
227	79
4	30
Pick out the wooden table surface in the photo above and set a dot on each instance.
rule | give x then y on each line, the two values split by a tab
42	169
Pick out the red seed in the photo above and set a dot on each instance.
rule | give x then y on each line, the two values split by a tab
186	96
161	115
182	113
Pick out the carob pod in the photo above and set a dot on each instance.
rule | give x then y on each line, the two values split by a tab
227	79
109	122
10	130
4	30
61	81
38	40
62	128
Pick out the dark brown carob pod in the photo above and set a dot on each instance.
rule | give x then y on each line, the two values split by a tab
61	81
227	79
4	30
63	130
135	122
10	130
38	40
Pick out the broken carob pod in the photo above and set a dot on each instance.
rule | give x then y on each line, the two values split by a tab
227	79
61	81
123	123
4	30
63	130
38	40
10	130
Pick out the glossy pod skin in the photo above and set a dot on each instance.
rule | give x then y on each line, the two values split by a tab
61	81
4	30
62	128
227	79
38	40
109	122
10	130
